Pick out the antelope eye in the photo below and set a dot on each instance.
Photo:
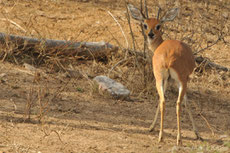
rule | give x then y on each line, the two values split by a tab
158	27
145	26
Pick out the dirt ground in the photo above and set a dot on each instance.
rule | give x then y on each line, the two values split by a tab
67	114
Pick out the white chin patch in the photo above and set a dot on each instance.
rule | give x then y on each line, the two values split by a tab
150	40
150	43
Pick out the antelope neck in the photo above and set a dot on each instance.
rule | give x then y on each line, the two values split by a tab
154	44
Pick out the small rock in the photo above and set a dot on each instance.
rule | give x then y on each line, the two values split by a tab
223	136
2	75
115	89
29	67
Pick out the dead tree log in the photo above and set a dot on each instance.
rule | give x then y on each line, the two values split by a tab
39	49
55	48
207	63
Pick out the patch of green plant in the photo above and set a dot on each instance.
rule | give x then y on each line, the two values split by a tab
79	89
227	144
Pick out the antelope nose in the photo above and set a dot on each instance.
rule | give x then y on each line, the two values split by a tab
151	34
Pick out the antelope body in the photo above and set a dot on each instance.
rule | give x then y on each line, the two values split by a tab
171	58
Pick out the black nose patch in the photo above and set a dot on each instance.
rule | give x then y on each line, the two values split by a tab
151	34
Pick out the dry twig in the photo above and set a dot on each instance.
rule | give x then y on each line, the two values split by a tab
14	23
206	121
209	46
122	31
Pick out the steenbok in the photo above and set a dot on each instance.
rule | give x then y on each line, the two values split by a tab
172	59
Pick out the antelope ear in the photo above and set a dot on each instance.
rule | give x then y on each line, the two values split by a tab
170	15
136	13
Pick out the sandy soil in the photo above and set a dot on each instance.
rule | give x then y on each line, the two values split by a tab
68	115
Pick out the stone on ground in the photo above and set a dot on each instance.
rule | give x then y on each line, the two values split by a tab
115	89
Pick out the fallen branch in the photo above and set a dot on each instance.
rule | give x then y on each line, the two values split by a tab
56	48
208	63
76	50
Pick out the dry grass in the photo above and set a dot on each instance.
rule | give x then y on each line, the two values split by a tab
200	24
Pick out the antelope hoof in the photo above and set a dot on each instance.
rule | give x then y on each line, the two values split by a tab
160	137
151	129
179	141
199	137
